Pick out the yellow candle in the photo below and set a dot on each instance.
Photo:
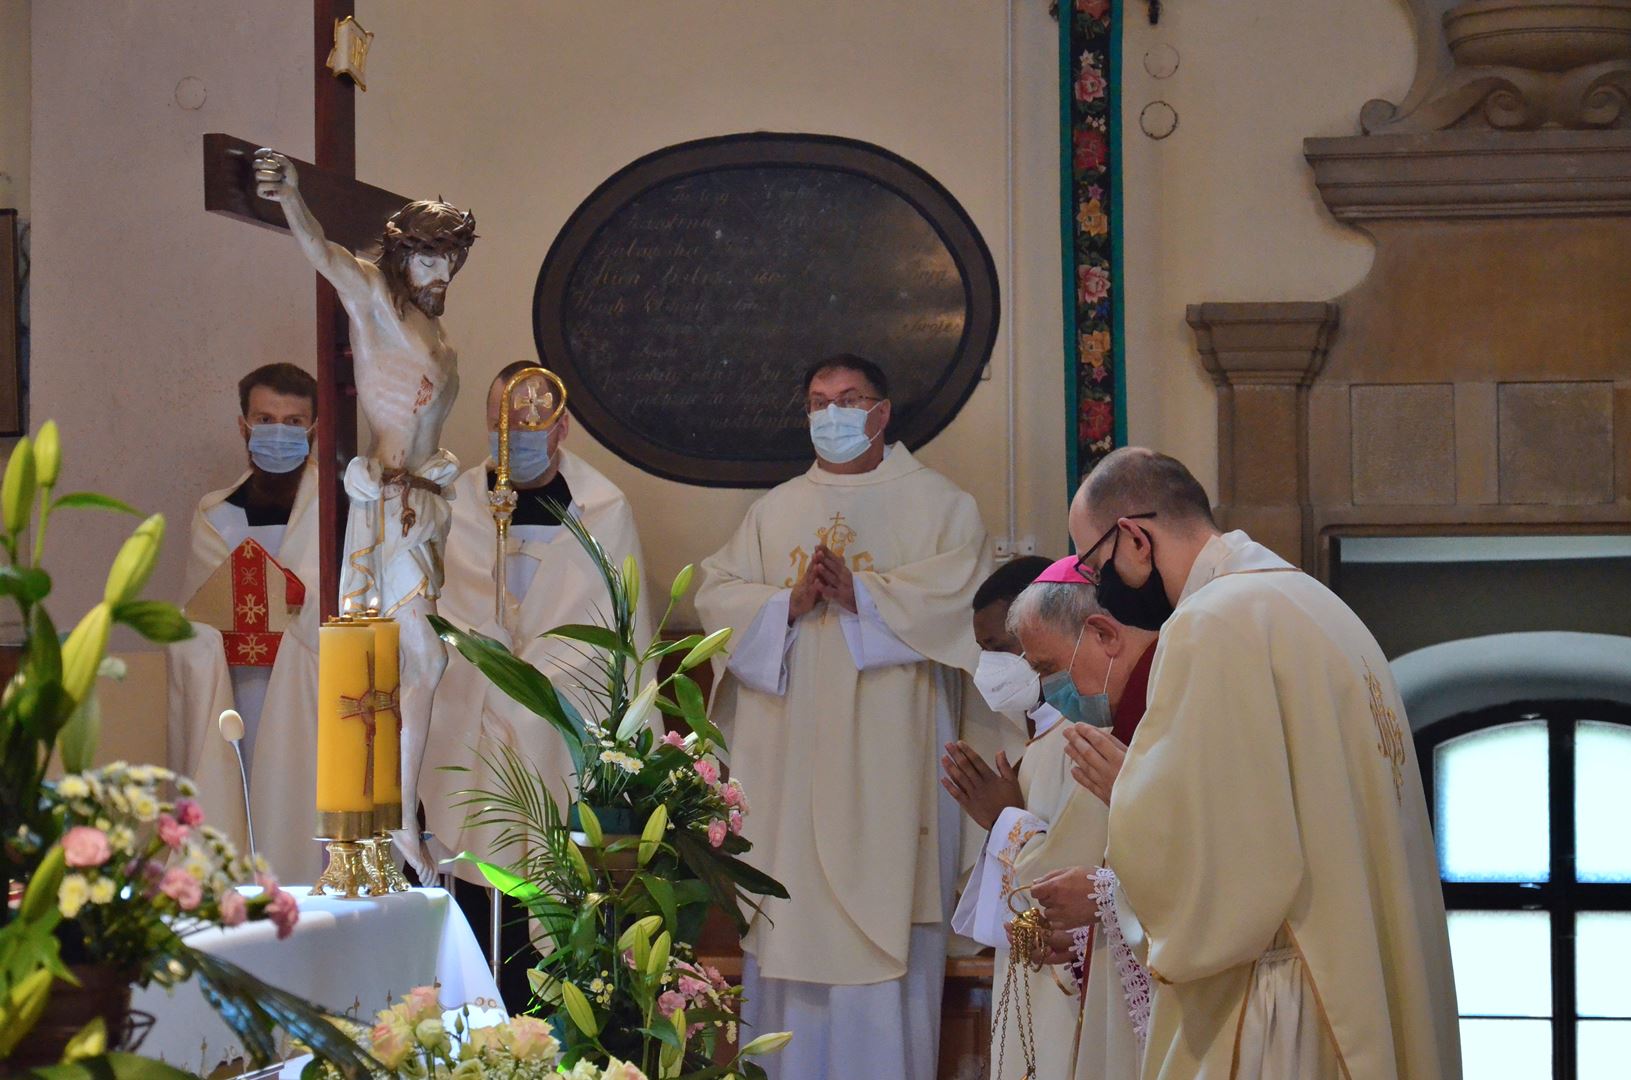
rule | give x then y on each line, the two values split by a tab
387	725
345	730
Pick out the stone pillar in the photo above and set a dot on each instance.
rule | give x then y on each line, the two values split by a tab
1264	357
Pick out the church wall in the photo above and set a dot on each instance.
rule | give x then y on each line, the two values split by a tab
146	309
564	94
1225	208
519	111
14	95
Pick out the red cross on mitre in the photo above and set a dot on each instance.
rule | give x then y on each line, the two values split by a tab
251	598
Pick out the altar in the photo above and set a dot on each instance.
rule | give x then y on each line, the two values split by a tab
351	956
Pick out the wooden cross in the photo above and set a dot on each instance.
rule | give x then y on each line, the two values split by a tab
352	214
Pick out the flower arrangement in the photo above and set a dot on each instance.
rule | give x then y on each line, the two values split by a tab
620	882
113	872
140	869
413	1039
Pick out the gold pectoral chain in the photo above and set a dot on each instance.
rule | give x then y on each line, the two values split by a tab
1027	948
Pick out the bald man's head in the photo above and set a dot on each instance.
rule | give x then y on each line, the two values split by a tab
1133	481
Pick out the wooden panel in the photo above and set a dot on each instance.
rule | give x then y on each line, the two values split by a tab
1557	442
1403	445
11	361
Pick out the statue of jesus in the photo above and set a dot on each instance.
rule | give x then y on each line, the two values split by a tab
407	378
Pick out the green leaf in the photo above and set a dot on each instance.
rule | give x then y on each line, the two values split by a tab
598	636
662	892
254	1009
115	1066
695	709
90	500
154	620
40	898
524	683
28	584
512	885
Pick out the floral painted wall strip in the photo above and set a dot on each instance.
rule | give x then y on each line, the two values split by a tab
1090	40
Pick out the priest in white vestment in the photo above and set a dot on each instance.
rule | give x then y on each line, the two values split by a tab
1094	672
1267	822
250	591
850	589
552	581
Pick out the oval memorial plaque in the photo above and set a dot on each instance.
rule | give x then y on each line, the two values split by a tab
683	300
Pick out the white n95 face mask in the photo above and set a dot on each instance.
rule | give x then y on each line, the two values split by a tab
1007	682
839	434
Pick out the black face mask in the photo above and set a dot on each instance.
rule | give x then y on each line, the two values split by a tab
1145	607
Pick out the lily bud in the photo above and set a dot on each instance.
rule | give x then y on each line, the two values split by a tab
652	834
577	1007
768	1043
134	563
640	708
47	454
82	652
17	490
657	963
705	648
591	825
682	582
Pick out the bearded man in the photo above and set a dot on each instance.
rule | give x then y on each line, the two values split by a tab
407	378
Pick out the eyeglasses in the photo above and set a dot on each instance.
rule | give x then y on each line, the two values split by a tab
847	401
1089	572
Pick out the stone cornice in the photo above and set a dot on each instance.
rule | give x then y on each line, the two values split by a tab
1279	343
1452	175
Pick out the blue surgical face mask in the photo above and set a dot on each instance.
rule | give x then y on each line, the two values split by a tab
840	434
278	448
1059	690
529	452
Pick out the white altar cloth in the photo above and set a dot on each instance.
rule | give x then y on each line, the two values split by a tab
349	956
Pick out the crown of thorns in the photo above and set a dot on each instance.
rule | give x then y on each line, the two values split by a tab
431	226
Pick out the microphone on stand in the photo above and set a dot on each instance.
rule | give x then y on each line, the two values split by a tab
232	730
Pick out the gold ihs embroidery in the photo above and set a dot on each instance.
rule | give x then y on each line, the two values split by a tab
837	537
1389	732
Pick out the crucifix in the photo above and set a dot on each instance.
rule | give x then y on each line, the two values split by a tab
402	372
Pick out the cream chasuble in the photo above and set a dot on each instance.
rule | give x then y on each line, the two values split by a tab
470	716
283	771
840	769
1270	833
1075	836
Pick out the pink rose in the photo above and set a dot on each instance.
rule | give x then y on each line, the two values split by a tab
692	988
233	908
85	846
190	813
182	887
716	833
732	795
283	912
736	823
719	982
391	1041
171	831
707	770
1090	85
675	739
670	1002
532	1039
421	1003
